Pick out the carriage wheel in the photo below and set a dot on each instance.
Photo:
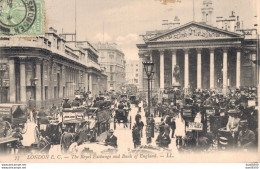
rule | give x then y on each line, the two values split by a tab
130	122
24	129
37	134
114	123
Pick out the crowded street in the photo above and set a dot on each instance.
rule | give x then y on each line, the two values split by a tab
203	121
111	81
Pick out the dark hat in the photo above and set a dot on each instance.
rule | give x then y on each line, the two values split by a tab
199	101
232	111
243	123
111	131
237	90
17	130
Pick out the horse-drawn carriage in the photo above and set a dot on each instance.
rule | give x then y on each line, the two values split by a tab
87	129
187	113
133	100
79	94
122	116
14	115
102	118
227	133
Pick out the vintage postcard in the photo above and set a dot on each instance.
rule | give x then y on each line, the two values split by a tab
139	81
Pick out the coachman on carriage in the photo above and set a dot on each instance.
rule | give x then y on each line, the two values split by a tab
122	114
13	118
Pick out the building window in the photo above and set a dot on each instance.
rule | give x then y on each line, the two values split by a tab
137	70
64	92
46	92
111	56
55	92
136	75
111	68
111	78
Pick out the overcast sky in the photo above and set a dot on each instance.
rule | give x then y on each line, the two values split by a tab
125	20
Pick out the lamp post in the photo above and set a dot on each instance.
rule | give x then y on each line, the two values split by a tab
152	84
148	67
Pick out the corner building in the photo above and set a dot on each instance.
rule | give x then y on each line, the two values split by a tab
58	66
113	61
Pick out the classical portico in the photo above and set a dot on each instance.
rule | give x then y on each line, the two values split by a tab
196	55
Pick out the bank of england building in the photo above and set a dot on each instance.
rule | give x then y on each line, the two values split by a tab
46	69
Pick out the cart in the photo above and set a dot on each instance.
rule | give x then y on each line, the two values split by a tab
54	131
15	115
133	100
122	116
187	113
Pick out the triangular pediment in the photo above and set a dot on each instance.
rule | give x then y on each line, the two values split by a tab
194	31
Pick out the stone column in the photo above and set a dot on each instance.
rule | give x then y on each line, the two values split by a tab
199	77
44	63
141	68
174	63
254	68
90	83
86	81
22	80
238	68
61	81
50	86
39	81
186	69
73	82
12	87
161	69
70	82
224	70
212	67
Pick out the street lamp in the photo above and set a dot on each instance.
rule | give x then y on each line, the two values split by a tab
152	84
148	67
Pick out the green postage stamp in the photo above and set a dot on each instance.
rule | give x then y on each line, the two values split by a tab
21	17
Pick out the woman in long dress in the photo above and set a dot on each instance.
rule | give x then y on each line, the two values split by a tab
180	126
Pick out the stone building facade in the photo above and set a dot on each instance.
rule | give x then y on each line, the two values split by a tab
199	55
47	69
113	61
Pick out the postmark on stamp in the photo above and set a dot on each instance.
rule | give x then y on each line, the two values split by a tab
21	17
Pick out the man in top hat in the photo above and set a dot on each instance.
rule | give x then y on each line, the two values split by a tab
246	137
111	139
